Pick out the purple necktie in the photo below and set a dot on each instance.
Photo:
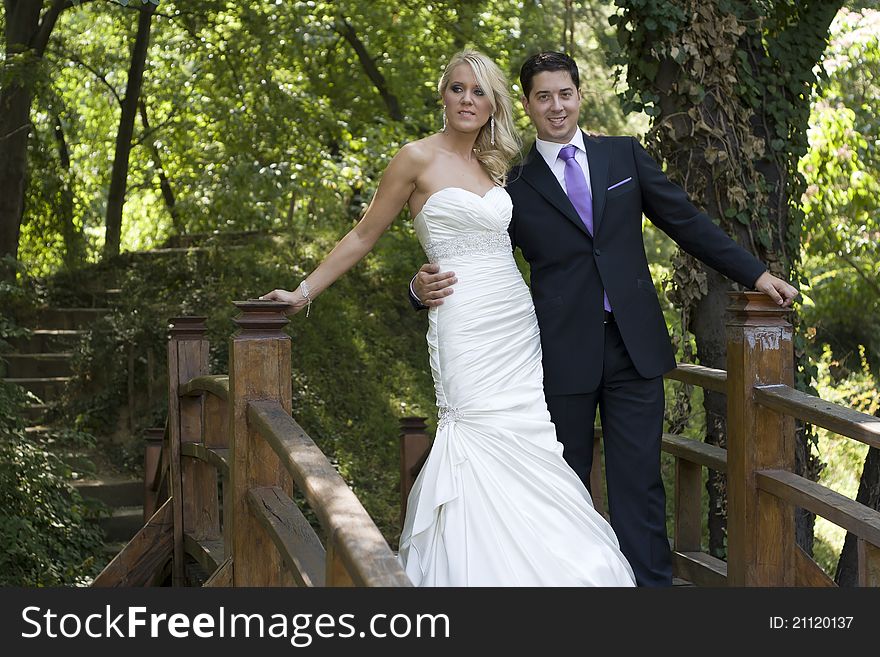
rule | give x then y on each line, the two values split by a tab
579	194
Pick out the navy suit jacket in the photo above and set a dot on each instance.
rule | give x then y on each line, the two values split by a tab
570	267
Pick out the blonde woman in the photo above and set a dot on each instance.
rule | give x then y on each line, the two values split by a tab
495	503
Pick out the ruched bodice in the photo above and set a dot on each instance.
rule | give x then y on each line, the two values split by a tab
495	503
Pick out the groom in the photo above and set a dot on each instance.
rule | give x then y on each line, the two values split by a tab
578	202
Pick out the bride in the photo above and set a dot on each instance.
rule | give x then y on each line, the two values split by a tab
495	503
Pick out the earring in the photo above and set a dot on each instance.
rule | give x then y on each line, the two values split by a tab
492	129
444	118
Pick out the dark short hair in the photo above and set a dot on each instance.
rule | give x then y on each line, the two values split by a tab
547	61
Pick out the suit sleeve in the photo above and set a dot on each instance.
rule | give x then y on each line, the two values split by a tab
669	208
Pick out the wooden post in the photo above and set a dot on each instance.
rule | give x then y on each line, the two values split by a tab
597	476
187	358
215	434
760	527
869	563
152	453
259	368
688	506
414	447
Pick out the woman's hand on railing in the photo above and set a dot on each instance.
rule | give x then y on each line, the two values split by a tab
295	300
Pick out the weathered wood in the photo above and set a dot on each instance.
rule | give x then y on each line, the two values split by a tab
697	375
688	506
861	520
222	577
292	534
215	384
208	552
364	550
152	459
187	357
839	419
144	555
414	446
699	568
808	573
216	457
869	563
216	441
760	527
337	574
259	368
201	512
710	456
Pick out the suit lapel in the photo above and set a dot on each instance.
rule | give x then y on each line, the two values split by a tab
536	172
598	157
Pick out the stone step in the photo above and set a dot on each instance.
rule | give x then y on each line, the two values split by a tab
47	341
38	365
47	388
112	491
122	524
36	413
70	318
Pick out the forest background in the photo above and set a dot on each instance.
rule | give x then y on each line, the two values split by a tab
193	154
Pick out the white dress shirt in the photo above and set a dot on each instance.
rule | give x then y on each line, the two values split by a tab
549	150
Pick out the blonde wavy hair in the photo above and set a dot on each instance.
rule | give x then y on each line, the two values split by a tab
495	159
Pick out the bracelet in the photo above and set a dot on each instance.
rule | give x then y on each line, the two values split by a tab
306	291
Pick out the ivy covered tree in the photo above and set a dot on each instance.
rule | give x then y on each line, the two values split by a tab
728	84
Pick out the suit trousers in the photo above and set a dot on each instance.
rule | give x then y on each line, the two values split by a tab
631	412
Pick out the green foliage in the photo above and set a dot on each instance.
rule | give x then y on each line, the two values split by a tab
45	526
842	169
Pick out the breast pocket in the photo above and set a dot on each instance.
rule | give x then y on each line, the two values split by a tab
621	187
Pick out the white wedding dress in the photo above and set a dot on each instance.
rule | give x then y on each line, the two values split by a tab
495	503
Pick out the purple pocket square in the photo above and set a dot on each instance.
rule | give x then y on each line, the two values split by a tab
618	184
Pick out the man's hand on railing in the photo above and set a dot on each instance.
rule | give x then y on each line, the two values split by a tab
777	289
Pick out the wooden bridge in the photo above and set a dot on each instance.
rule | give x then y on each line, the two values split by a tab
220	480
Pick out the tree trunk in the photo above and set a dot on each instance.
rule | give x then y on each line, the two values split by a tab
119	174
164	183
74	248
869	495
26	38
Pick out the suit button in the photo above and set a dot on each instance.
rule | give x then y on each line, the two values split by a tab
597	252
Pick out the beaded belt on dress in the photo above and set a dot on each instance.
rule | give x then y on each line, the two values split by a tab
469	244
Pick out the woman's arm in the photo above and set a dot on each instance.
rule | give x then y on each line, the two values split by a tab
397	184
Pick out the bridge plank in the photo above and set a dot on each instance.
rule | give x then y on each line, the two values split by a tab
208	552
290	531
808	573
839	419
222	577
699	568
144	555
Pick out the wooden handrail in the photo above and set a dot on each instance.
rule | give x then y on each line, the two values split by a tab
215	384
706	377
856	518
694	451
362	547
217	457
828	415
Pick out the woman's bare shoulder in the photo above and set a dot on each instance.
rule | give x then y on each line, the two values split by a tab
419	152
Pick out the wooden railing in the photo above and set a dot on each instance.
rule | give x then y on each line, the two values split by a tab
223	485
763	491
231	460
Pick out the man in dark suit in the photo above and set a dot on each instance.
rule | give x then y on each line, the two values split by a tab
578	202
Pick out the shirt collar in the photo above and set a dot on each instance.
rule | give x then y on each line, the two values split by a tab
549	150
